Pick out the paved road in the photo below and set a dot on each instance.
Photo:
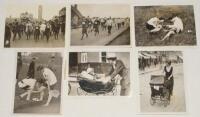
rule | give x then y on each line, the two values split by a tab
24	43
102	39
122	39
177	103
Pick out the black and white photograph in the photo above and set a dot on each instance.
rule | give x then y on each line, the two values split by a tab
100	25
99	74
161	81
169	25
35	25
38	83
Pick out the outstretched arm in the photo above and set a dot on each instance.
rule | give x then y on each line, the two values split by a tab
117	70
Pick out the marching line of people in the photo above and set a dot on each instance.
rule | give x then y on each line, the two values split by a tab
39	30
96	25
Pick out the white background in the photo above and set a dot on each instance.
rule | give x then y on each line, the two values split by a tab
103	106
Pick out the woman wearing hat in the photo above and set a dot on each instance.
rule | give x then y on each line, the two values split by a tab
119	69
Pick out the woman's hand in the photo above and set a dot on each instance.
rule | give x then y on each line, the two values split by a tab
106	80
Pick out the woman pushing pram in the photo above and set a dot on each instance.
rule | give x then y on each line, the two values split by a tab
162	85
169	79
118	74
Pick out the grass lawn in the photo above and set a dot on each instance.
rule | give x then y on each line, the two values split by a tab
23	106
144	13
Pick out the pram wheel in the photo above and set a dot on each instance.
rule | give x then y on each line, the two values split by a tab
80	91
167	98
152	101
166	103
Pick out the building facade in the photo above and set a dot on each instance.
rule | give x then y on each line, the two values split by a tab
40	13
62	15
76	17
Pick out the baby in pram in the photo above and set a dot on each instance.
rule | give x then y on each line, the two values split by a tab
89	74
96	83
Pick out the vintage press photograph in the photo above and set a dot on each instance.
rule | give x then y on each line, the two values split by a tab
31	25
38	83
99	74
161	81
171	25
100	24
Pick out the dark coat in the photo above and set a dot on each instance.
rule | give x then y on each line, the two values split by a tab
119	69
7	36
31	70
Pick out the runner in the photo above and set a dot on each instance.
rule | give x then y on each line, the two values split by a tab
84	28
96	26
109	25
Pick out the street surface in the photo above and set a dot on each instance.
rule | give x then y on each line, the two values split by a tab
122	39
24	43
177	103
102	39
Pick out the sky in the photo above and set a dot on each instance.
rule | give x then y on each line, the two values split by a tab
93	10
48	10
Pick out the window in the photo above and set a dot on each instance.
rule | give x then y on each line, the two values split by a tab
84	57
103	56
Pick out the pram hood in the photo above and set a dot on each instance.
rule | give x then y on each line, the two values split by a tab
157	80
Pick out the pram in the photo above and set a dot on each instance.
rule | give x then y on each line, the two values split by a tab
93	87
159	93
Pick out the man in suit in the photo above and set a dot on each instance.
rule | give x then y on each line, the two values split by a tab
31	69
16	30
84	24
7	36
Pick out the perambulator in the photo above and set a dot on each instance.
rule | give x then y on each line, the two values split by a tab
159	93
93	87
